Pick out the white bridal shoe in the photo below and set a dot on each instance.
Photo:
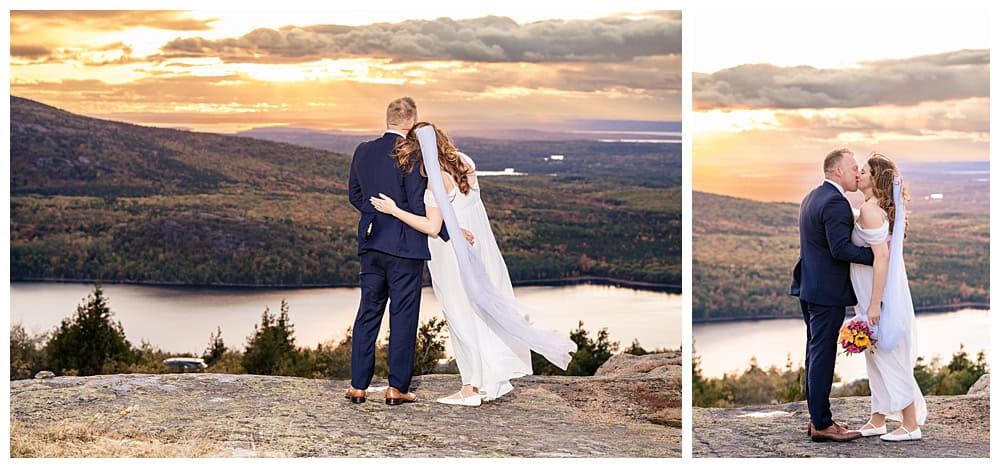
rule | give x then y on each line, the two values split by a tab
890	437
458	399
874	431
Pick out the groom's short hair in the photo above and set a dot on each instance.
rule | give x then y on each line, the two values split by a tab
401	111
833	159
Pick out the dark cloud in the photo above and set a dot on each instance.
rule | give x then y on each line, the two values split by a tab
953	75
655	73
25	21
117	53
958	57
29	51
487	39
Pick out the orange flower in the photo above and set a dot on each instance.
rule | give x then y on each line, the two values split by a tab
846	335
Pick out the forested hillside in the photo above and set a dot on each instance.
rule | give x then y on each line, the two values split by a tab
96	199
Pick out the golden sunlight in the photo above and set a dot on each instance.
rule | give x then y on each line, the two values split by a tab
734	121
205	70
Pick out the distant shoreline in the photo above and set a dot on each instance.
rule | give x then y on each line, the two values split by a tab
595	280
938	309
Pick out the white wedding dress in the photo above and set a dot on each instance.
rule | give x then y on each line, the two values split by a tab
487	356
890	372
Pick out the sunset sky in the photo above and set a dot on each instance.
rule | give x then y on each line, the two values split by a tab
913	85
466	67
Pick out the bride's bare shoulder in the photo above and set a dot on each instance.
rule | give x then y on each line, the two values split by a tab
872	216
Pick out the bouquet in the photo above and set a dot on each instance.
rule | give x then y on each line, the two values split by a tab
856	337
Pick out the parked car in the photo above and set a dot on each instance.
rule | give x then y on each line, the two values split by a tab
185	364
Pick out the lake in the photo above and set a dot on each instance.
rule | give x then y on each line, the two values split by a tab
727	347
180	319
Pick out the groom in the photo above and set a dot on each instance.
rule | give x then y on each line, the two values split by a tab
822	282
392	258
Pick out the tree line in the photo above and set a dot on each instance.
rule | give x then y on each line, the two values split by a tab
92	342
774	385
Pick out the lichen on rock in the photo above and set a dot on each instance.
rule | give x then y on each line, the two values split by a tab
222	415
957	426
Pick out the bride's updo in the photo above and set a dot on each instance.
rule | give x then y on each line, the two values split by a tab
407	155
883	171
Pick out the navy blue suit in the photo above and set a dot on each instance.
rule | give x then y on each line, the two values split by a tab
392	258
822	281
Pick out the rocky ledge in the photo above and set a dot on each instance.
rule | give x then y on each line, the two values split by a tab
631	409
957	426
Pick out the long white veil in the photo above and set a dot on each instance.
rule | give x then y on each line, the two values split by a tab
897	309
486	300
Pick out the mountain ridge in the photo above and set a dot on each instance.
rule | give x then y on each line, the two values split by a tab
57	152
104	200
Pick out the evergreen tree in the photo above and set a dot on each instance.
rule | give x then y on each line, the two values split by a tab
25	353
589	355
701	391
430	346
89	342
333	360
636	349
271	348
216	347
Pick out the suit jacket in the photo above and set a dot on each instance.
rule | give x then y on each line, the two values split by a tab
822	274
374	171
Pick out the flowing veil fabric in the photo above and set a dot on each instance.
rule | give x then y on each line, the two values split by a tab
897	309
486	300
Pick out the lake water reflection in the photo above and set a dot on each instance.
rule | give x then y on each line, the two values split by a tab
727	347
181	319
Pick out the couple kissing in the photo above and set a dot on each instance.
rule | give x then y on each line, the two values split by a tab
845	262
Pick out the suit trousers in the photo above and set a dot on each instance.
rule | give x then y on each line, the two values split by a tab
822	330
396	280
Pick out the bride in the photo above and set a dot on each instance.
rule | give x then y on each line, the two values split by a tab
884	297
491	337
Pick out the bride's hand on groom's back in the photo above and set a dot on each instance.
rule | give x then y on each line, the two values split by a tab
471	239
383	203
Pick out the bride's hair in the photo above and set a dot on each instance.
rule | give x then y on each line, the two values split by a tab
407	155
883	171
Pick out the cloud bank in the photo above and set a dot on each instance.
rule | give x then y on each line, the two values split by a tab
953	75
487	39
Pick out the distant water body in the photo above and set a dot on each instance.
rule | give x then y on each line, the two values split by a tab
181	319
727	347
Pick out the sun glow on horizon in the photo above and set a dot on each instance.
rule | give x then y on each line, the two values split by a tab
337	69
733	120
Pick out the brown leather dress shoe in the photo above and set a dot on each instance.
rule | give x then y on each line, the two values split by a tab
355	395
834	433
396	397
809	428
